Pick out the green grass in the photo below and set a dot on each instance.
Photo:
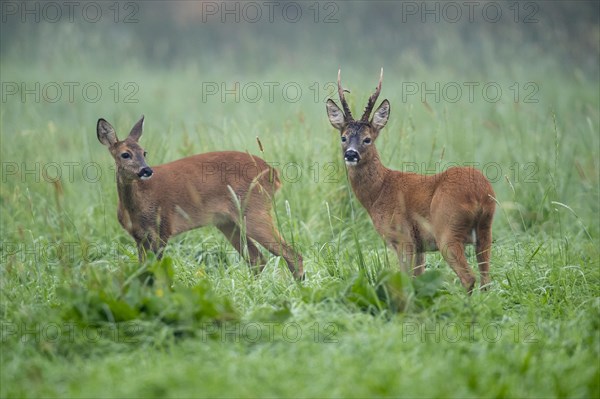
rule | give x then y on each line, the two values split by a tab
77	322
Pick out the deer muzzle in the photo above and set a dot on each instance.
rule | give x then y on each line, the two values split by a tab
351	157
145	173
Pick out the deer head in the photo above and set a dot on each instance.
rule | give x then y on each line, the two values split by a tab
129	156
358	136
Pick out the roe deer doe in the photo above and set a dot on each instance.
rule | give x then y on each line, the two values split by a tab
159	202
416	213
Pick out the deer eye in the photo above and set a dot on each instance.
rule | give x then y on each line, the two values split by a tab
367	140
344	139
145	153
125	155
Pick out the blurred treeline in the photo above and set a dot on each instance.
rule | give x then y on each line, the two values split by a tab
159	34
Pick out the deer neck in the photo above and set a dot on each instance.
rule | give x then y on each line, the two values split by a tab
127	190
368	180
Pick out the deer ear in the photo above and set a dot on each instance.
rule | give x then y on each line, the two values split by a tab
106	133
136	131
381	115
335	114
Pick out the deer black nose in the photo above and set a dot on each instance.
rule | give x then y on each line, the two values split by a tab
145	173
351	156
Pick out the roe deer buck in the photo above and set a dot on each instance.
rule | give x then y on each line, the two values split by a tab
416	213
160	202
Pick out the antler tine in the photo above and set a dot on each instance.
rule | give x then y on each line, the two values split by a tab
342	98
372	99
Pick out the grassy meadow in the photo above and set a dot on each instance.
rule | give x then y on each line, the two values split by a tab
519	102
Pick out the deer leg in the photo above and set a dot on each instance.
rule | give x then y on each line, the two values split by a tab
483	248
232	233
145	245
408	256
159	248
150	243
453	251
142	249
453	228
419	267
406	260
261	229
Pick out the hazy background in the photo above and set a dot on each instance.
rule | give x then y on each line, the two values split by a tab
249	37
464	80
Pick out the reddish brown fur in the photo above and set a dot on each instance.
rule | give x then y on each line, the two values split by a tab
194	192
415	213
